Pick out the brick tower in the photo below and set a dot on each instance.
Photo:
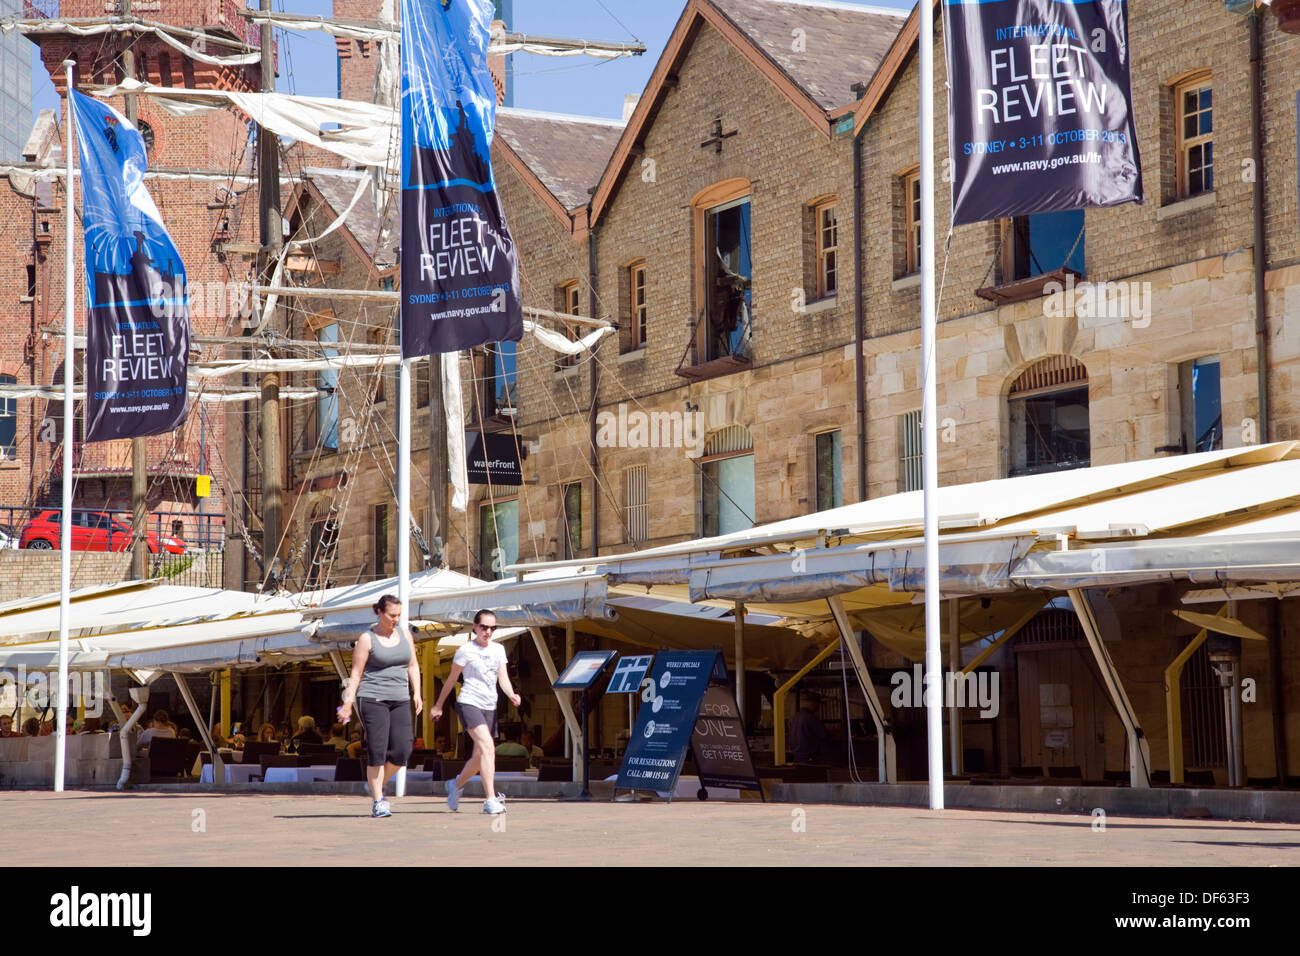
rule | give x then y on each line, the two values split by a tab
214	224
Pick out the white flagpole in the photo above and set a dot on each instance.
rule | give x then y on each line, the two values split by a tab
933	657
404	486
65	520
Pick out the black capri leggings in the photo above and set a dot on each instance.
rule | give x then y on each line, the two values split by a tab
388	731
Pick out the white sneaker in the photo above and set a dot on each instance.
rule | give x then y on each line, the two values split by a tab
453	794
501	799
493	805
380	808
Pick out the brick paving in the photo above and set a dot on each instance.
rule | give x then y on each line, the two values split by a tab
97	828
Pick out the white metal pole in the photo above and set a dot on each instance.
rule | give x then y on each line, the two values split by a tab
929	366
65	520
404	486
403	510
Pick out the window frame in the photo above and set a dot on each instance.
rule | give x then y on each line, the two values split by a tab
569	295
912	222
911	467
638	312
824	251
708	201
1183	145
9	413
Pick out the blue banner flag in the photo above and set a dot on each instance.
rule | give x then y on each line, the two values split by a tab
460	270
137	317
1040	111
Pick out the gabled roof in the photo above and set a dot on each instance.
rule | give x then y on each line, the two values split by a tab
842	44
895	59
566	153
374	239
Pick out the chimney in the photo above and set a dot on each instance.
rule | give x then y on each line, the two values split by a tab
497	65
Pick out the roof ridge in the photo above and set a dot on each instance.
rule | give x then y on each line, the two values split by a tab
563	117
842	5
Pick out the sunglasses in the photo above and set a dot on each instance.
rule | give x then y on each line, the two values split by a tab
487	627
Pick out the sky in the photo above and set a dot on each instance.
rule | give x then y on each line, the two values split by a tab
581	85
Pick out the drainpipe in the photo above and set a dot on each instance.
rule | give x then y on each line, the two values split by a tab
859	364
593	275
1261	252
141	696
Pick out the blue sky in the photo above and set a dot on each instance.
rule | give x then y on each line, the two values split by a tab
563	85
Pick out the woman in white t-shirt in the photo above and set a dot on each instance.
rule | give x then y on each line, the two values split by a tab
483	665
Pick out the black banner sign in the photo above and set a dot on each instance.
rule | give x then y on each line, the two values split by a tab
492	459
1040	113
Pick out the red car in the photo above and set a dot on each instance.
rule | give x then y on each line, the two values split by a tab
91	531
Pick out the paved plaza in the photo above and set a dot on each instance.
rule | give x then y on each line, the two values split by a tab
84	828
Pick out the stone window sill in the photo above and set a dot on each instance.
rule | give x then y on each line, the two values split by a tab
1185	206
910	281
633	356
821	305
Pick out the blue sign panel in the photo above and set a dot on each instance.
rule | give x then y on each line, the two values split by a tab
629	674
664	724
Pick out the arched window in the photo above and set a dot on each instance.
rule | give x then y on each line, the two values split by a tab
1048	414
727	481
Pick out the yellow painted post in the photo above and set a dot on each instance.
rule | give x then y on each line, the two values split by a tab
225	706
428	665
778	701
1174	705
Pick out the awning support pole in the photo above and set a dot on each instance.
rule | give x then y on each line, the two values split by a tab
218	768
225	702
740	659
566	705
778	701
1174	705
955	675
887	753
1139	751
574	737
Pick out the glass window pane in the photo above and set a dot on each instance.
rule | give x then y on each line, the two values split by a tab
728	495
1207	94
830	492
1189	126
1207	429
572	520
498	537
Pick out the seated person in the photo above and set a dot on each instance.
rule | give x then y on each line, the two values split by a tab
306	732
266	734
159	726
218	740
91	726
807	733
534	752
285	736
354	744
7	726
441	746
336	739
511	747
31	727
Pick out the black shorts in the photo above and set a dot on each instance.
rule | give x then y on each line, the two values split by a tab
471	717
389	733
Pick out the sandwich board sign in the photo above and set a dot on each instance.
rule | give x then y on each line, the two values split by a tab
686	704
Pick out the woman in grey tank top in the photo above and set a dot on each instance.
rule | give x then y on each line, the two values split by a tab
385	679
